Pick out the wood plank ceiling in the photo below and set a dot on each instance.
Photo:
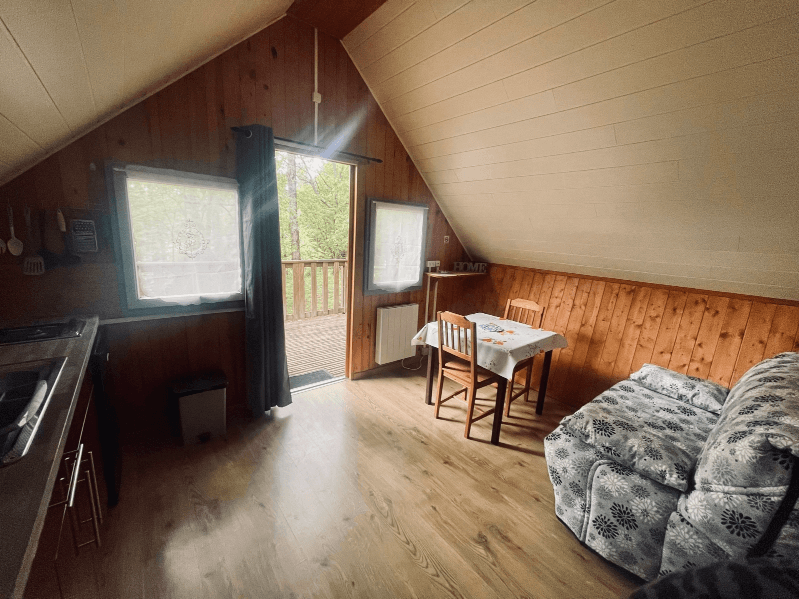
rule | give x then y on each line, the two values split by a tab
68	65
333	17
651	141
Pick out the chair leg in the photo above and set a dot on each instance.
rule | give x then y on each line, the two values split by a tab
439	388
527	379
509	395
470	410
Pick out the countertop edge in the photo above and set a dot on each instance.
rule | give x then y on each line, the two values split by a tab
21	581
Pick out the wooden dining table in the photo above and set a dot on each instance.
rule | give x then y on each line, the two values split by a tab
501	345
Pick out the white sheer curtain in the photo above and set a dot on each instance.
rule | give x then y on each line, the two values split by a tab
185	233
398	238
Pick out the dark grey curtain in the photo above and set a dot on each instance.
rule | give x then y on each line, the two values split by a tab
267	369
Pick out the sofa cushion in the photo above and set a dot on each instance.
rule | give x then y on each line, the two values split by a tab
646	431
691	390
743	471
758	430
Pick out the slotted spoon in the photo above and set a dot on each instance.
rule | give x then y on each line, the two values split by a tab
14	244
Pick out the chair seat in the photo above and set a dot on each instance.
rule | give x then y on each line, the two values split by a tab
460	371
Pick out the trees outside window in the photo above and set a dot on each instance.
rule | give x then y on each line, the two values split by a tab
314	207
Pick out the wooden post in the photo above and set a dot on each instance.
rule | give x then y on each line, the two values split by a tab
298	273
314	297
336	298
325	290
283	277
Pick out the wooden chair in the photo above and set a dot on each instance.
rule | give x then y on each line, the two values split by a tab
457	360
530	313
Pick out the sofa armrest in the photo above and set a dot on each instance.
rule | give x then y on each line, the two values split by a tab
699	393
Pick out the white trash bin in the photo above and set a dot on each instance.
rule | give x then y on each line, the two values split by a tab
201	402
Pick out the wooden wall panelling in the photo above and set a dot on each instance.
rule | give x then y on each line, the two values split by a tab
277	56
610	349
687	332
667	334
613	327
291	77
305	87
783	330
248	76
598	336
632	331
730	339
707	337
753	346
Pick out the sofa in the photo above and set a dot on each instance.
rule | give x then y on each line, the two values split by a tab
664	472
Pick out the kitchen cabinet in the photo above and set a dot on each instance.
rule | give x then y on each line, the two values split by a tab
59	569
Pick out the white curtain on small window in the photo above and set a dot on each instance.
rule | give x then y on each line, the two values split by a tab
399	232
185	238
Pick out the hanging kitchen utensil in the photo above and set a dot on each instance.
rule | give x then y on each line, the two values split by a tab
14	244
32	264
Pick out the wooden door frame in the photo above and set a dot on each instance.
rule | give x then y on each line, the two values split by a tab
350	270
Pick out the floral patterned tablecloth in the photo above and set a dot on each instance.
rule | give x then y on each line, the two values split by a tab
501	344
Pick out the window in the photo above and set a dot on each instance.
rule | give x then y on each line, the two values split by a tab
395	246
178	237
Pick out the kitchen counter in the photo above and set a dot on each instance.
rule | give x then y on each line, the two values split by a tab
26	486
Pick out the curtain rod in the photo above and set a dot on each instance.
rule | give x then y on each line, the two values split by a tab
302	146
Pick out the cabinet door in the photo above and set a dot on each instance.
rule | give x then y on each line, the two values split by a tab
59	570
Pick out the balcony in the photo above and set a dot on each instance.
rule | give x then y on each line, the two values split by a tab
314	306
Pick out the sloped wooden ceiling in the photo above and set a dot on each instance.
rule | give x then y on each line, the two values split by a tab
333	17
652	141
68	65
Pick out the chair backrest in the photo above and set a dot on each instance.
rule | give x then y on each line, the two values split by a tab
524	311
456	336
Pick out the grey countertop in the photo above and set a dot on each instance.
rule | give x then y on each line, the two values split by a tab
26	486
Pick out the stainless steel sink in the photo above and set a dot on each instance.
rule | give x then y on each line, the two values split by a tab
25	392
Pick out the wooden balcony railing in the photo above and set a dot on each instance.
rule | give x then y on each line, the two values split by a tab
314	288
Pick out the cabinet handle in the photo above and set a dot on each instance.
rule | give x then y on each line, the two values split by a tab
73	482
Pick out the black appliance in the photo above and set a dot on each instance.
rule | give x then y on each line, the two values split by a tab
106	418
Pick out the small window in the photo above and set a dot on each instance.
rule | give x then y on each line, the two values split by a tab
395	246
178	237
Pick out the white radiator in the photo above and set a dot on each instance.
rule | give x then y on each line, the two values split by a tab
396	326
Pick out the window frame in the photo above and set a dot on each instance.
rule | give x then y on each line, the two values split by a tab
369	286
130	302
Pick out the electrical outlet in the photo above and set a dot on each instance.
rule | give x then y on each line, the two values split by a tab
446	238
431	264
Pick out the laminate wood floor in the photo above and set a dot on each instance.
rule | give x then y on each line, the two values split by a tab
353	491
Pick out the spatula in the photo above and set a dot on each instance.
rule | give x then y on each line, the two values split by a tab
31	265
14	244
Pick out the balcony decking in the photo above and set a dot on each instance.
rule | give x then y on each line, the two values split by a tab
316	344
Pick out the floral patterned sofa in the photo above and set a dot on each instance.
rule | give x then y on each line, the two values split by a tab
663	471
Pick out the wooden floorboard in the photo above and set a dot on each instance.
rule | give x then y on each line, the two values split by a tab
355	490
317	344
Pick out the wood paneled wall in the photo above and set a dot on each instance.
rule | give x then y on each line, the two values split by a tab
146	356
655	141
613	327
267	79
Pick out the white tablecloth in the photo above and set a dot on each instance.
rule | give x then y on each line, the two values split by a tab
501	344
